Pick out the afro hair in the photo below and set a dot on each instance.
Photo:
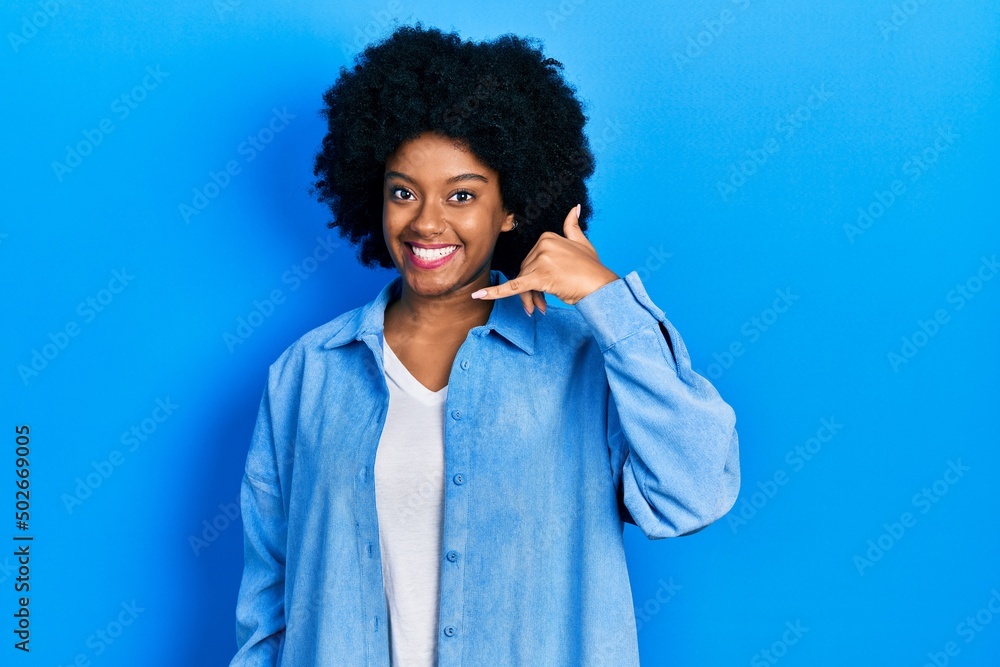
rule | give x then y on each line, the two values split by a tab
502	99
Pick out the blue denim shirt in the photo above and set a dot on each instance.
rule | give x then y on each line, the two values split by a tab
558	428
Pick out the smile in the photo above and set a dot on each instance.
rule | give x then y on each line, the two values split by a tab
430	258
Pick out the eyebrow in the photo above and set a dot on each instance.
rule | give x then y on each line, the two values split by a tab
454	179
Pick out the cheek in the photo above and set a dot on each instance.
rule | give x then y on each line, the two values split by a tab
479	231
392	221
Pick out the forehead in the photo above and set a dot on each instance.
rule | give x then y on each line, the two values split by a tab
431	155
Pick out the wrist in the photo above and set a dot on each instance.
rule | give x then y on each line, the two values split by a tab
606	277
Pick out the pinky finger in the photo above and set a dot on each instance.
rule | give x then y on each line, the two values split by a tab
539	300
527	302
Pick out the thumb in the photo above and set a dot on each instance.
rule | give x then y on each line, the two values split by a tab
571	226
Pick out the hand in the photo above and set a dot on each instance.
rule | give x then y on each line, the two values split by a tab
566	266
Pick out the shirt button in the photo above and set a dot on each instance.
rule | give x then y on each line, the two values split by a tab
452	556
459	478
449	631
465	364
457	414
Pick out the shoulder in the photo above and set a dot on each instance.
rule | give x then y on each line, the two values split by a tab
304	351
563	327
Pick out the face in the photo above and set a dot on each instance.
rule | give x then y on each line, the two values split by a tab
441	215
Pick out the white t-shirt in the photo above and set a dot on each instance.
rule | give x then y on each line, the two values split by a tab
409	492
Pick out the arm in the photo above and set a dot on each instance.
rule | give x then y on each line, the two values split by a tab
673	441
260	608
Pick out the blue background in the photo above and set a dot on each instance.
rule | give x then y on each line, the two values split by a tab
734	153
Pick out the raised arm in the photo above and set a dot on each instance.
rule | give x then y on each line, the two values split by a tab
672	439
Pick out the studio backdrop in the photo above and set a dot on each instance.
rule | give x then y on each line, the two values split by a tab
807	190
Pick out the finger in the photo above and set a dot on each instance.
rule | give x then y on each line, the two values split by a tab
571	226
539	299
527	303
533	300
520	284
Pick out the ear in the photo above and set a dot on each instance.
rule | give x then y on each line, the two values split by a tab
508	223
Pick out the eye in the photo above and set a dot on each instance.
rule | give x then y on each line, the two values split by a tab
464	196
404	194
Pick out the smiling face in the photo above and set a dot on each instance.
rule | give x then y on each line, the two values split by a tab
441	215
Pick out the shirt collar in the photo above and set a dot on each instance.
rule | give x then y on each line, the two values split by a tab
507	318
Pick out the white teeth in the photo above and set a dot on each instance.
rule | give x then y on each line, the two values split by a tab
435	253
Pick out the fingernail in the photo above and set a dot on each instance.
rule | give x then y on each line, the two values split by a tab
526	312
478	293
578	209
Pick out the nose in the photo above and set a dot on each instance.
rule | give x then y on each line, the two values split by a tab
429	219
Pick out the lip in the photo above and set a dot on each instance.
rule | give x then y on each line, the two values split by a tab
424	264
430	246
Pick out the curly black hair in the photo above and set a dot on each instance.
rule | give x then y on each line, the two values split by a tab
503	99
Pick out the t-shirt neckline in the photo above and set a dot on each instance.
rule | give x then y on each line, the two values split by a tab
402	376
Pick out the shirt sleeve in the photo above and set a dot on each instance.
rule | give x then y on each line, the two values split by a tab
673	442
260	606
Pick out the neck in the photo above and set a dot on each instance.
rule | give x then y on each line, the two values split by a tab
452	313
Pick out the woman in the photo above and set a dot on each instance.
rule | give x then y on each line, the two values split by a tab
441	476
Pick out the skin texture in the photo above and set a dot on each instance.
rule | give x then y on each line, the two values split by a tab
437	191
